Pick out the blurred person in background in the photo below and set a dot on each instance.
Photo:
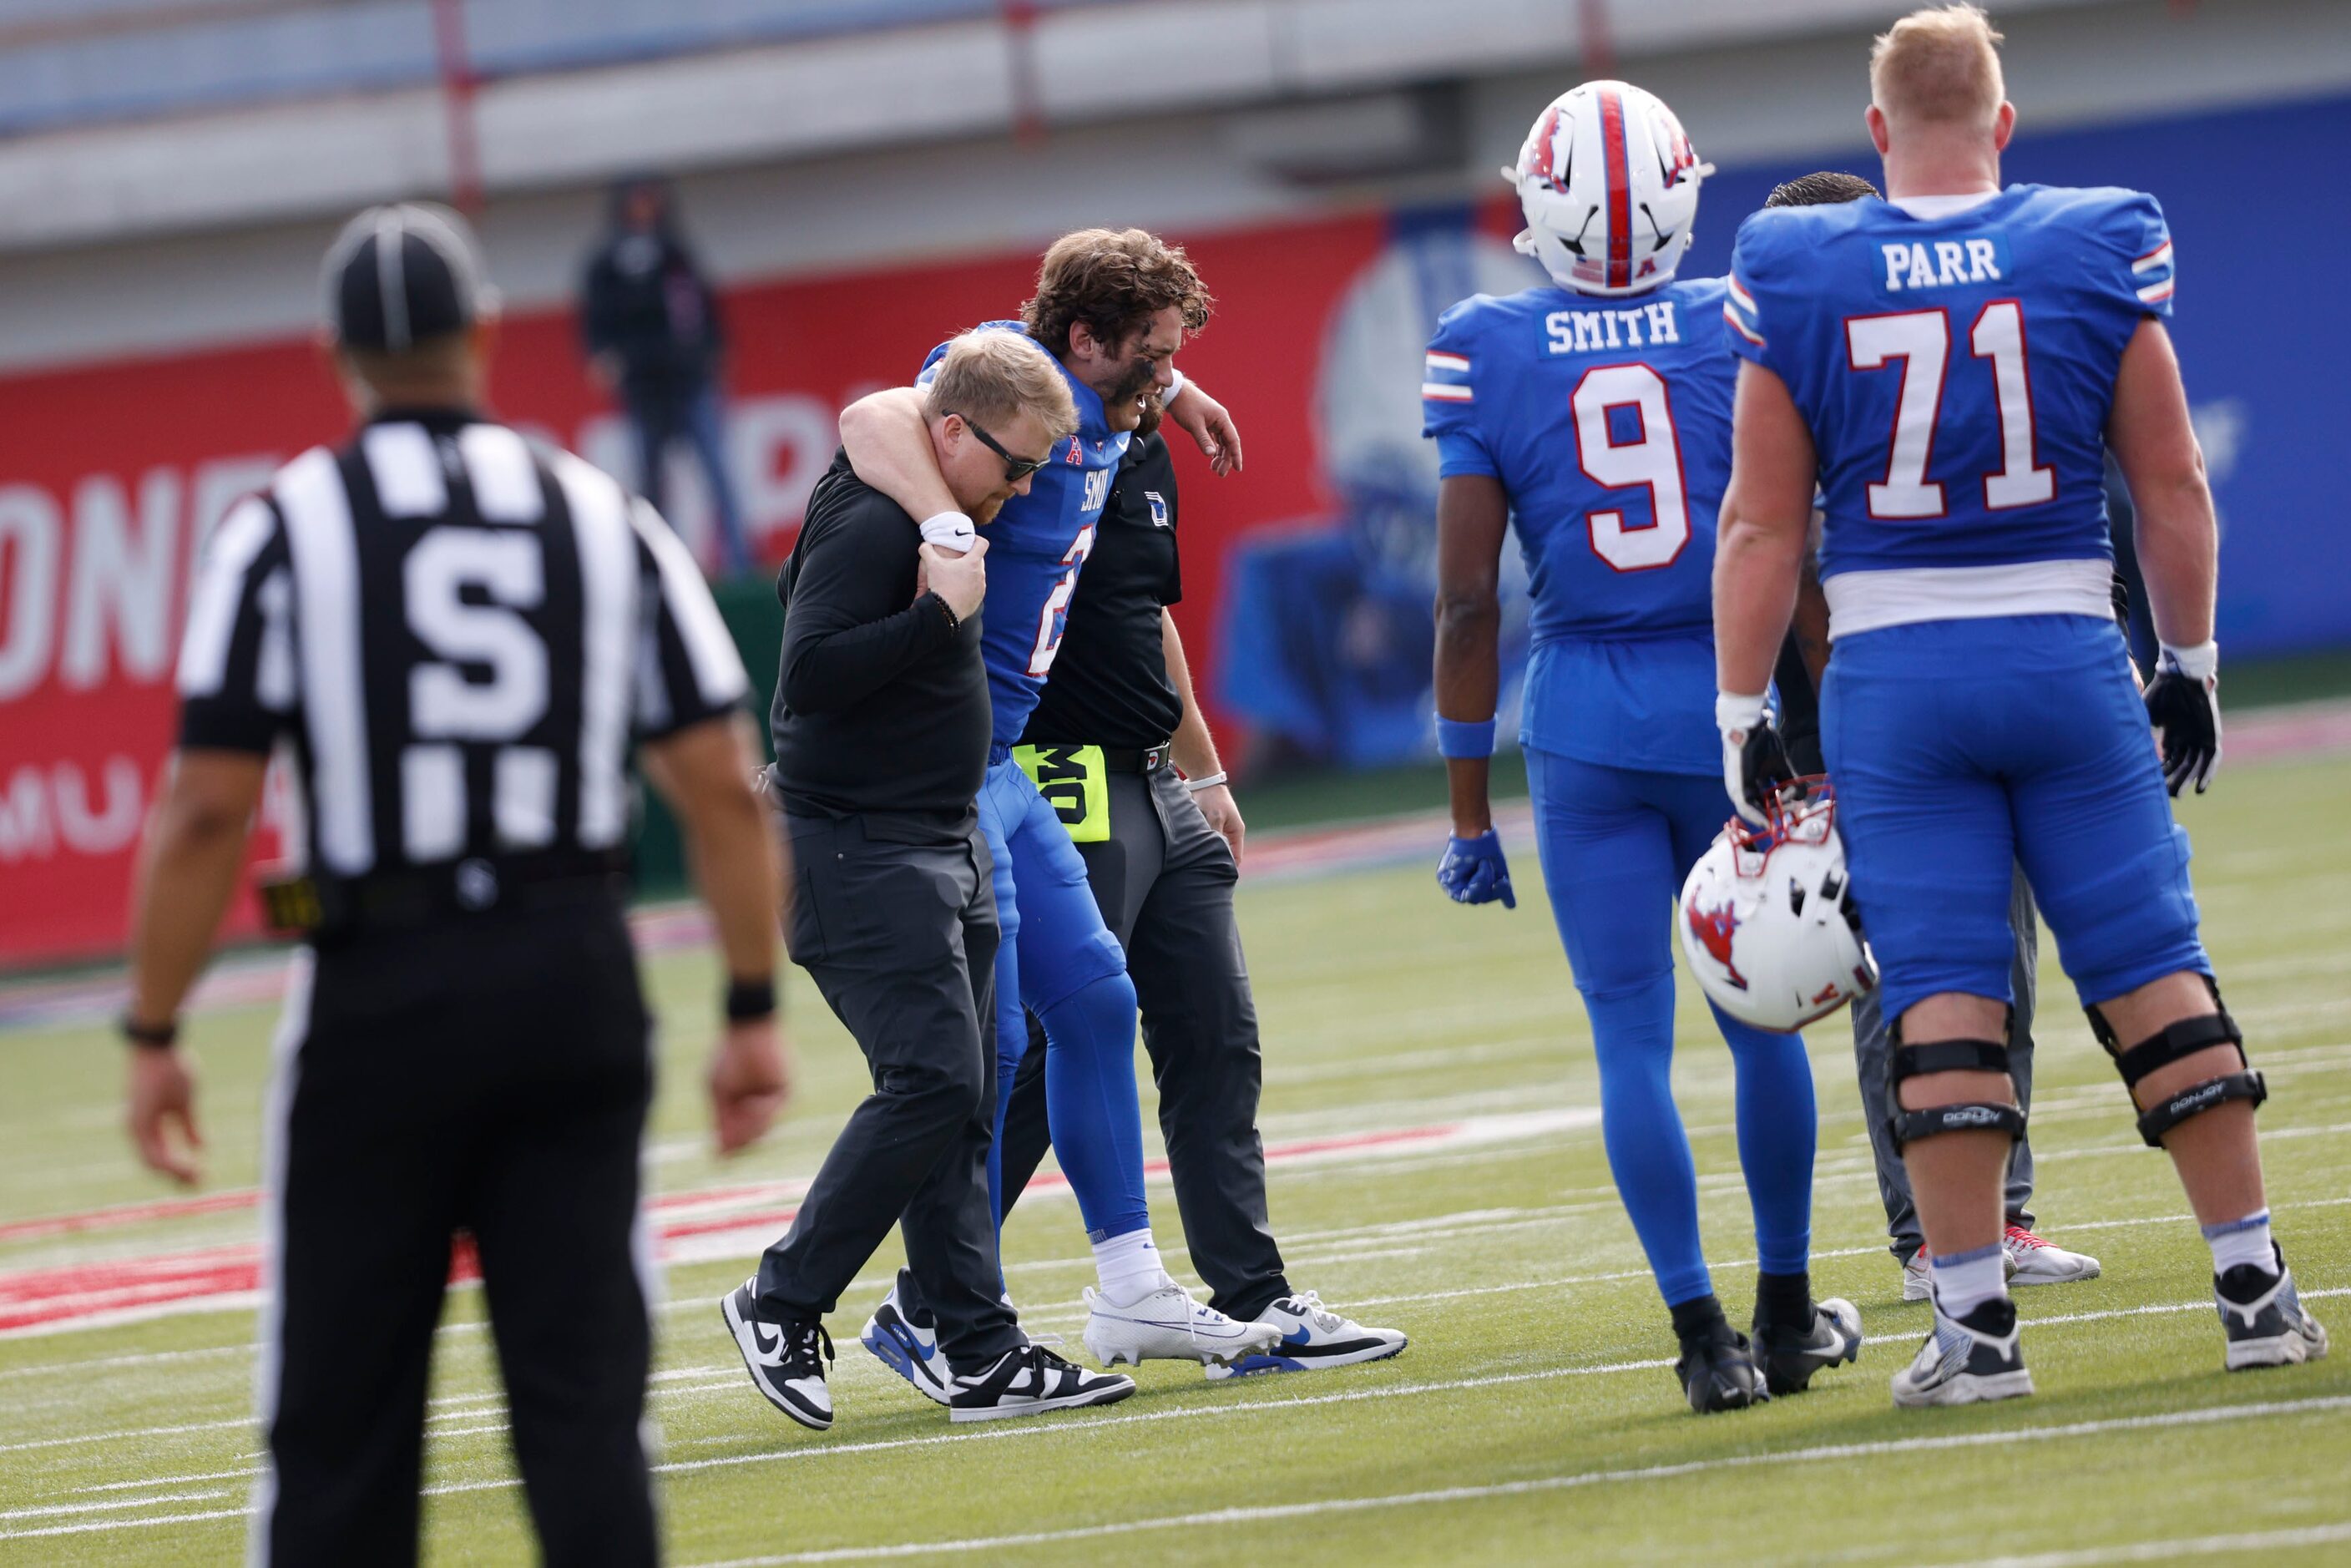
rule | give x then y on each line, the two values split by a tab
651	322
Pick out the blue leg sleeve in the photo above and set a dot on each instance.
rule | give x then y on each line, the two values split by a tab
1090	1099
1778	1124
1608	861
1073	977
1778	1127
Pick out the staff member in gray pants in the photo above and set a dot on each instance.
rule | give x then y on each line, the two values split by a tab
881	737
1162	849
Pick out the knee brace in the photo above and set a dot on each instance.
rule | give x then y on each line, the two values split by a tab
1948	1056
2181	1040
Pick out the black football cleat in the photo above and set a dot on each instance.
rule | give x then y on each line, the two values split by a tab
1790	1354
1717	1371
2263	1314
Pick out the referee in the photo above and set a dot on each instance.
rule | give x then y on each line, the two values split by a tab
1162	851
455	637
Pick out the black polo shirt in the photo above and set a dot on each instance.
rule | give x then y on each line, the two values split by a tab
1108	684
881	704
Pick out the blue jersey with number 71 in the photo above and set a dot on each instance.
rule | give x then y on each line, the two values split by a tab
1955	360
1607	422
1036	548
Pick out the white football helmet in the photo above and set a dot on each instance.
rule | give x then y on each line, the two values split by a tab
1766	918
1609	185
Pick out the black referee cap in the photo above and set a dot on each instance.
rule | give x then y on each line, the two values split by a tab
401	274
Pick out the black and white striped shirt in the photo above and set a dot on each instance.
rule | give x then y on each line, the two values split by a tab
461	635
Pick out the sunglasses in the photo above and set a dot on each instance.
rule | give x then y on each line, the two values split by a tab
1015	468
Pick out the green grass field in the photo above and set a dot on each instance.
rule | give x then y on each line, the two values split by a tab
1533	1418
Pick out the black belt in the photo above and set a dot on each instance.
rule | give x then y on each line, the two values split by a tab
1150	760
330	908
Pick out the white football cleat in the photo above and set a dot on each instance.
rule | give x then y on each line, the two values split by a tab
2033	1261
1967	1361
1169	1325
1312	1337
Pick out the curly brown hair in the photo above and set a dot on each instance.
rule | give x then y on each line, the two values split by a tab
1114	280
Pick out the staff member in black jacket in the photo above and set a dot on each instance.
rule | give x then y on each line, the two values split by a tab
880	727
1162	849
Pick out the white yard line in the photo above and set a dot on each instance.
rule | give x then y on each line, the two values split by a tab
50	1511
2164	1551
1227	1516
1084	1423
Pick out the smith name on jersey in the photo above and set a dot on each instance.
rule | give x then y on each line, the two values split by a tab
1036	548
1955	358
1607	421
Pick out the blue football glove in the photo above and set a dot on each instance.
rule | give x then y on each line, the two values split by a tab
1474	872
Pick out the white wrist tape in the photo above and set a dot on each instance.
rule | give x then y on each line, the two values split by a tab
1175	386
1736	713
2199	664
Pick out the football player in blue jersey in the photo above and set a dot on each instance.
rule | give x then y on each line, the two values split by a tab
1112	308
2033	1259
1592	417
1950	365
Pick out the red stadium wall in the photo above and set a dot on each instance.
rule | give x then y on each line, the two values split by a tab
110	474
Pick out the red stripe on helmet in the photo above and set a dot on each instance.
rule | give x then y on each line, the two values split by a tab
1546	141
1620	190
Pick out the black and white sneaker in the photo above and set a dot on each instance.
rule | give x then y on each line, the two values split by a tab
1030	1381
2264	1316
1789	1356
907	1342
1312	1337
786	1358
1967	1361
1718	1369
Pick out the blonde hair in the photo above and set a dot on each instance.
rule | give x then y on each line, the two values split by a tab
1939	65
989	376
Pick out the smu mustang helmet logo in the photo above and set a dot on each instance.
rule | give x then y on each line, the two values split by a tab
1713	928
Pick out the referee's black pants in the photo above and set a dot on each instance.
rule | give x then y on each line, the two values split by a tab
491	1075
899	932
1165	881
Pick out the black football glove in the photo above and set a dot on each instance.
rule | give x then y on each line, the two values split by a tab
2183	702
1754	757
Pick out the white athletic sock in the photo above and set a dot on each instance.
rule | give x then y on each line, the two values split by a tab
1129	1267
2245	1240
1965	1280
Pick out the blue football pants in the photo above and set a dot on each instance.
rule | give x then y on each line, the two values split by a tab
1959	746
1616	843
1058	960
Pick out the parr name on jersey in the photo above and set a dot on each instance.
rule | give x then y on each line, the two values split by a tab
1943	263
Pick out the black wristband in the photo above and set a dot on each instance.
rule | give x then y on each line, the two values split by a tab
748	1001
954	621
149	1036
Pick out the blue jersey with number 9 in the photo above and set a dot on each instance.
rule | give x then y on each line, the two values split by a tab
1036	548
1607	421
